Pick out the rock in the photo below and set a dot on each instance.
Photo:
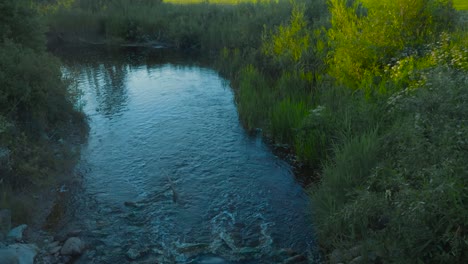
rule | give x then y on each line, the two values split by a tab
63	236
73	246
16	233
54	244
295	259
18	254
5	222
55	250
357	260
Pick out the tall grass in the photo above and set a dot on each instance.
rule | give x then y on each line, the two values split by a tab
219	2
460	4
201	26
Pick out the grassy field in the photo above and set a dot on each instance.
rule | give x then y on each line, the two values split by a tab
461	4
222	2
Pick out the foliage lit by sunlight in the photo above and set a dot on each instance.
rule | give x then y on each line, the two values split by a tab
460	4
222	2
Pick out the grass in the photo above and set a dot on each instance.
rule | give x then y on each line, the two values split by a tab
460	4
180	26
218	2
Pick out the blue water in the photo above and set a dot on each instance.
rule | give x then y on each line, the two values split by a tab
169	172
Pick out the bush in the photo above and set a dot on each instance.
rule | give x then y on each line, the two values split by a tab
38	117
368	35
401	192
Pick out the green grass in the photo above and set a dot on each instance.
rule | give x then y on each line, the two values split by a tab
180	26
221	2
460	4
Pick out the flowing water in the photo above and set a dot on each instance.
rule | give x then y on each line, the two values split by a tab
169	174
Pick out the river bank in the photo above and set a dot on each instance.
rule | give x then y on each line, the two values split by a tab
41	129
378	109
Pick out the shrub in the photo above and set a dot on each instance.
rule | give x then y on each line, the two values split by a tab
367	35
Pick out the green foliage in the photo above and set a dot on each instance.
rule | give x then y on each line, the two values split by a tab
366	36
351	166
20	25
401	192
460	4
37	112
291	40
198	26
286	118
253	98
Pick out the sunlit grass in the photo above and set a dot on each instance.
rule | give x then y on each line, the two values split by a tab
222	2
460	4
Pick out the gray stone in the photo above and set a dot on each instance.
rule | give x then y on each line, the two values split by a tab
55	250
73	246
17	233
357	260
54	244
5	222
18	254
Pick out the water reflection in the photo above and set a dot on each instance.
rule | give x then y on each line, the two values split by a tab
106	71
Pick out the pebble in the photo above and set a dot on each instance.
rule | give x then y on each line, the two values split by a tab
73	246
55	250
17	233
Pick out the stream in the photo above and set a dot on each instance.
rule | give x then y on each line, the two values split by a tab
169	175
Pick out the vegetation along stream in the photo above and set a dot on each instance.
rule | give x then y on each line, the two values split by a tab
169	174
